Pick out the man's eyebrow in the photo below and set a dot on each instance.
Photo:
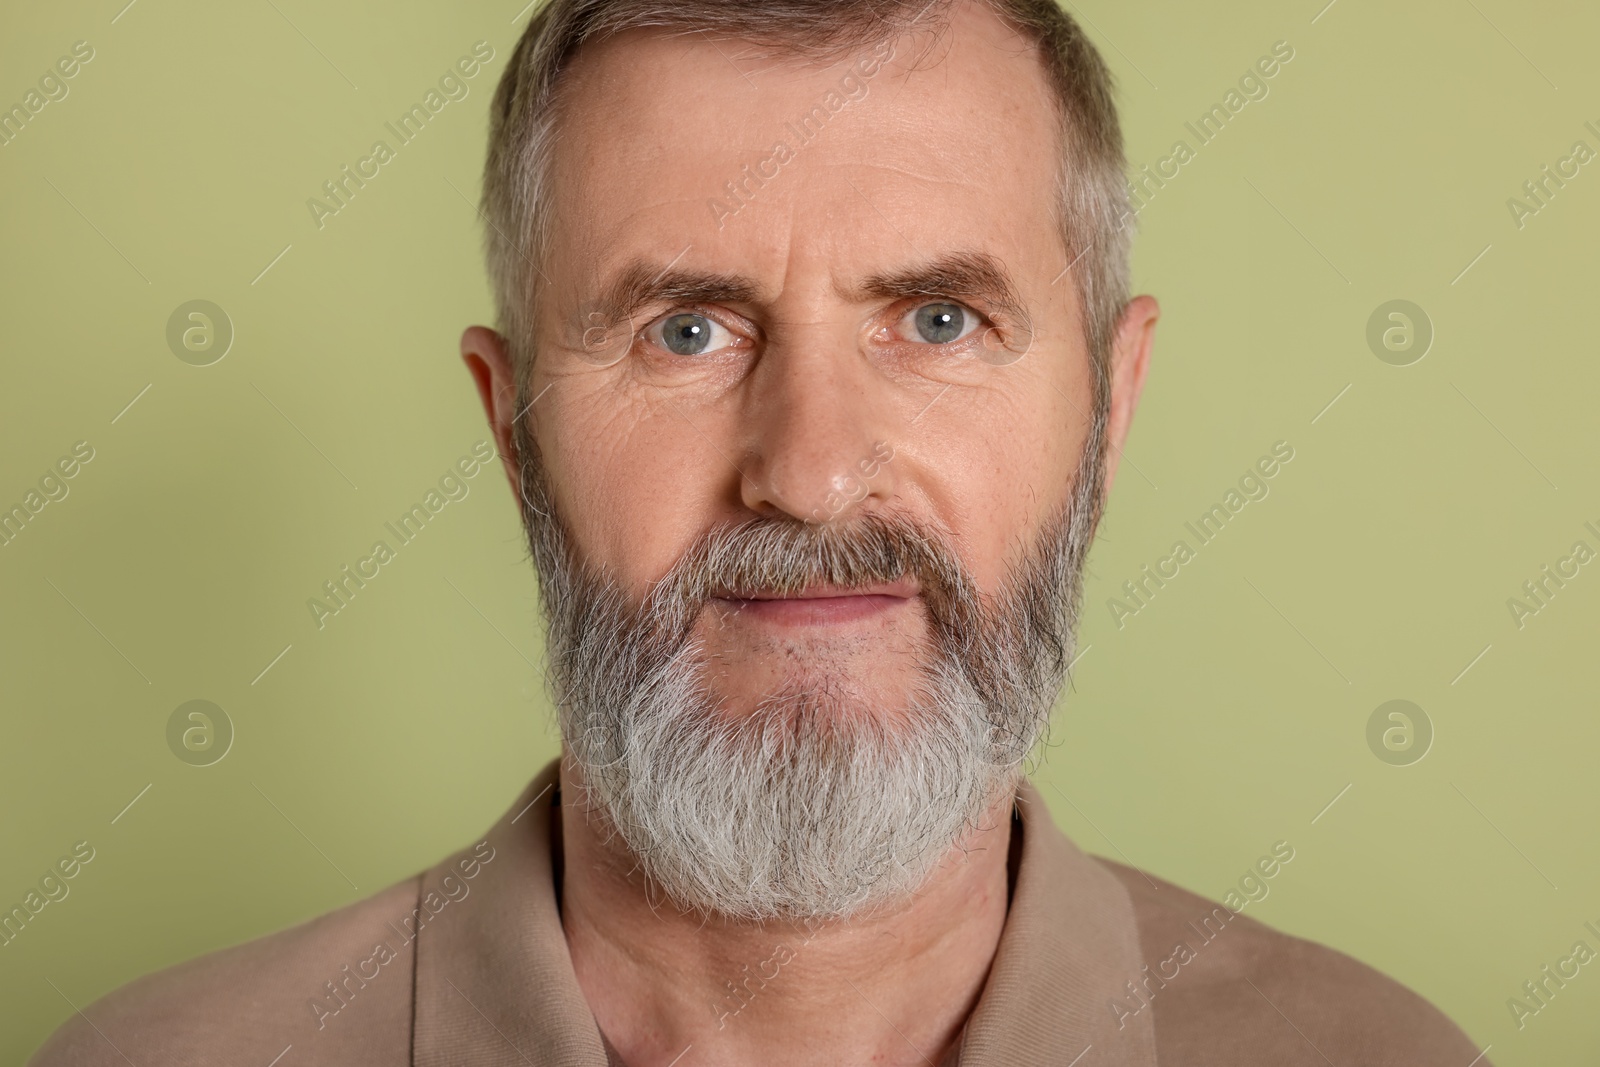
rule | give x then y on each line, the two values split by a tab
976	276
973	275
642	283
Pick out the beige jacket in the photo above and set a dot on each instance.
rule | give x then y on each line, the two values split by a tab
467	965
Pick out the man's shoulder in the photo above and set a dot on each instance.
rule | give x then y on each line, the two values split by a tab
1226	989
337	988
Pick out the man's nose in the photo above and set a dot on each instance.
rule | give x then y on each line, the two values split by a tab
819	433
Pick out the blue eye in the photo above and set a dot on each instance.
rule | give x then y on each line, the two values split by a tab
940	322
690	334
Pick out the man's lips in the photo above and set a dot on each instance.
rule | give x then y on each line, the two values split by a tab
823	603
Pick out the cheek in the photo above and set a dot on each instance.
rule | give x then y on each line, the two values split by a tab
998	463
634	482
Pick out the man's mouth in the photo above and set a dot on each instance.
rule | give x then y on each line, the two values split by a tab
822	604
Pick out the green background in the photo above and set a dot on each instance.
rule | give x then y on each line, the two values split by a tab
1224	716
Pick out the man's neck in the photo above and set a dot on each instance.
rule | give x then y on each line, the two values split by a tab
891	989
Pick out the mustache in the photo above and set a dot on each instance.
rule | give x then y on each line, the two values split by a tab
786	556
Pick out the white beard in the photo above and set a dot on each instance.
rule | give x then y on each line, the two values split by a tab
812	805
802	809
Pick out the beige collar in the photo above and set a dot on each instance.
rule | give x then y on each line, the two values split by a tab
495	986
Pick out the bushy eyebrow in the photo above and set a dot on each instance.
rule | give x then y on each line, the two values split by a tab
974	276
641	284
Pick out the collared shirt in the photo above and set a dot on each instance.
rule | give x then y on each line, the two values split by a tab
1098	965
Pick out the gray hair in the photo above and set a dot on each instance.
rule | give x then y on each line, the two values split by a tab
1091	204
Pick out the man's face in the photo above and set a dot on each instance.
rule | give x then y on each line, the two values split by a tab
809	363
807	453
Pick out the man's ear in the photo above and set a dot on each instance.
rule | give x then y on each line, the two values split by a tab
488	359
1130	359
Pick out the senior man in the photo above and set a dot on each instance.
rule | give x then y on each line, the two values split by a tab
814	363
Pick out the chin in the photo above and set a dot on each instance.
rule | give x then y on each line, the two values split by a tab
835	677
821	699
826	797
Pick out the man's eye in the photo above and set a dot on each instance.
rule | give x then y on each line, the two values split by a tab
940	323
687	333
